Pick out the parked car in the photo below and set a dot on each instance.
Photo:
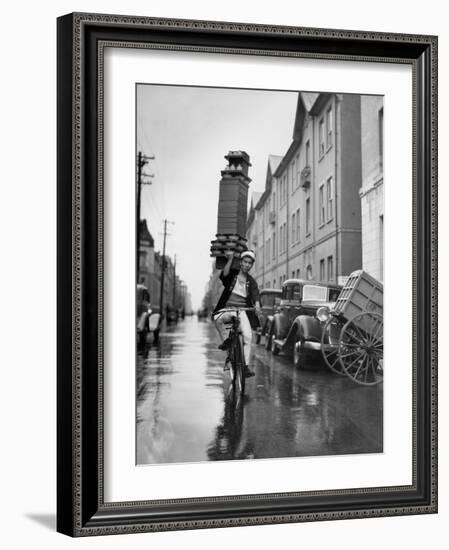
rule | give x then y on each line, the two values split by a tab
270	298
172	314
295	327
202	313
148	321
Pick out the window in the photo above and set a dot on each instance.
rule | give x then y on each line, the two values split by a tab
322	270
280	239
298	235
307	159
274	245
314	292
285	236
268	250
298	170
293	227
381	137
293	274
330	268
321	202
329	199
321	138
329	127
284	189
309	272
274	283
334	294
307	216
293	175
296	291
298	272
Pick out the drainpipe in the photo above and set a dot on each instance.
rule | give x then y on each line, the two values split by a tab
263	246
287	226
312	200
337	150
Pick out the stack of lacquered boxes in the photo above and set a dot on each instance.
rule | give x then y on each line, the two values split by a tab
232	209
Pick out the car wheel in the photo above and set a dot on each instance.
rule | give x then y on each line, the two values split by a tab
298	354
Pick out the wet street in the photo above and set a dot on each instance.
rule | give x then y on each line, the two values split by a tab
187	413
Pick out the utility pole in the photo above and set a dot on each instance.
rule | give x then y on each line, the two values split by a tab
141	161
174	282
161	298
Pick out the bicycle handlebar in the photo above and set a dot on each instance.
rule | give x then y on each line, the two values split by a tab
235	309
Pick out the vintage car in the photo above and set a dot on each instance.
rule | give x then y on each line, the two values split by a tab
171	314
270	298
295	328
148	321
202	313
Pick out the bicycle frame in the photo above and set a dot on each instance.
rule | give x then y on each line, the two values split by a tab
235	353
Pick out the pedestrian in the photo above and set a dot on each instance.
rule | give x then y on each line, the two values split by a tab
240	290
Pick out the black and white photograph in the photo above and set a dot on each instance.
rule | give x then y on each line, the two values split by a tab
259	267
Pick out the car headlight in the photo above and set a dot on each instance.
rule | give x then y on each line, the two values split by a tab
323	314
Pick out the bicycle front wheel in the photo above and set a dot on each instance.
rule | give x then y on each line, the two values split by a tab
240	365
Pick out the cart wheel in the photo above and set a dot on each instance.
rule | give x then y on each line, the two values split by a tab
360	348
329	344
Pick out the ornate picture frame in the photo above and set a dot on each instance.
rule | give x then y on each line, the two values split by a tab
81	507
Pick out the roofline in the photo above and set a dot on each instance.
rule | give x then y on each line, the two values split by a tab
320	100
287	157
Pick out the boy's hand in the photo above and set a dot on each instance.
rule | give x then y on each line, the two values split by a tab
229	254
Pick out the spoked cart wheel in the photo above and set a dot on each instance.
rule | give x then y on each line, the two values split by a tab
330	337
360	348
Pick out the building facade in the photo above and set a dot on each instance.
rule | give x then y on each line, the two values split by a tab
307	222
175	292
372	191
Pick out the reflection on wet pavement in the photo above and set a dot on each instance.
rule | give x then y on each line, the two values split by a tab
186	411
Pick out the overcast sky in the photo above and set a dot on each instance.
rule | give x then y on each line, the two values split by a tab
189	130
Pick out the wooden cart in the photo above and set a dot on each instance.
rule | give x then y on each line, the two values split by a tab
352	337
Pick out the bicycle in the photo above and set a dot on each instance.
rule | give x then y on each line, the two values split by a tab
235	355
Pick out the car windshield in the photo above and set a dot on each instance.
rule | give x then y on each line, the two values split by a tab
312	292
268	299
